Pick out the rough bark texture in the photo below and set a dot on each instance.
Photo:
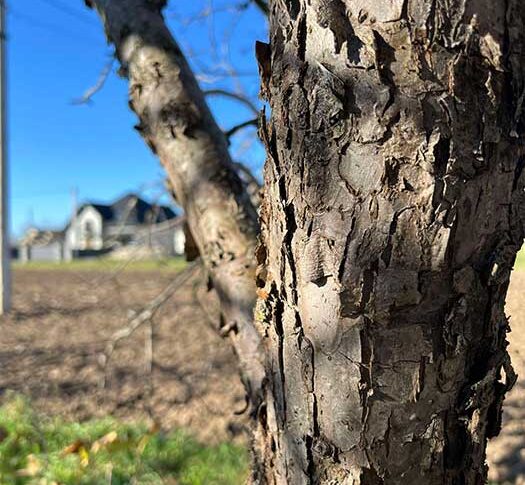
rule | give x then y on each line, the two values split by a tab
177	124
391	220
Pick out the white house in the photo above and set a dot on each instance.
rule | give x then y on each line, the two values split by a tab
96	229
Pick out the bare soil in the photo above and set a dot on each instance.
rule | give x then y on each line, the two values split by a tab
506	453
50	349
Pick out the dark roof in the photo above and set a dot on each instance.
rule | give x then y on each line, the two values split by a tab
132	209
104	210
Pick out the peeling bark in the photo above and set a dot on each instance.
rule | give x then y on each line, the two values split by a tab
177	125
392	214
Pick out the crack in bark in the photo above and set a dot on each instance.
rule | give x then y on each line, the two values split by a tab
404	310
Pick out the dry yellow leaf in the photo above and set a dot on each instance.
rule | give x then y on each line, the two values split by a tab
107	439
84	456
73	448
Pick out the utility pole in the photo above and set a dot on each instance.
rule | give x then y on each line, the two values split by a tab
5	250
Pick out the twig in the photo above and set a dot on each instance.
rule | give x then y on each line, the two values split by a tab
145	316
148	368
263	6
148	355
88	95
236	96
240	126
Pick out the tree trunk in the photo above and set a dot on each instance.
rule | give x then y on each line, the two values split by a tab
391	221
177	124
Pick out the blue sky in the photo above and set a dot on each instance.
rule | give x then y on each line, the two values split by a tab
56	52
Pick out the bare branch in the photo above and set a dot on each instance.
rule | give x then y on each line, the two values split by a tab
253	186
240	126
145	316
238	97
88	95
210	311
148	356
263	6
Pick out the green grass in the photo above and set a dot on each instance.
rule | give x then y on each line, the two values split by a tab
105	264
50	451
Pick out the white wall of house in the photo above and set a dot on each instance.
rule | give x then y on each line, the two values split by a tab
85	231
53	251
165	238
24	253
48	252
179	240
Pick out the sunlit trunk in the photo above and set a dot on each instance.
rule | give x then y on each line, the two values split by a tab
392	214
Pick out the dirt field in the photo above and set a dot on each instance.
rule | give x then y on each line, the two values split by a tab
50	349
506	453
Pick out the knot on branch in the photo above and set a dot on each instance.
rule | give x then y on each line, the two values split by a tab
181	118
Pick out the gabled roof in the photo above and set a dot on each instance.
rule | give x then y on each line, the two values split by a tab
104	210
131	209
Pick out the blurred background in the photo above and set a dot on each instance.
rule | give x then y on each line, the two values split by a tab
65	147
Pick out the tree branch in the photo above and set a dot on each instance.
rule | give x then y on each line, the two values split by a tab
236	96
263	6
177	124
240	126
103	77
143	317
250	178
